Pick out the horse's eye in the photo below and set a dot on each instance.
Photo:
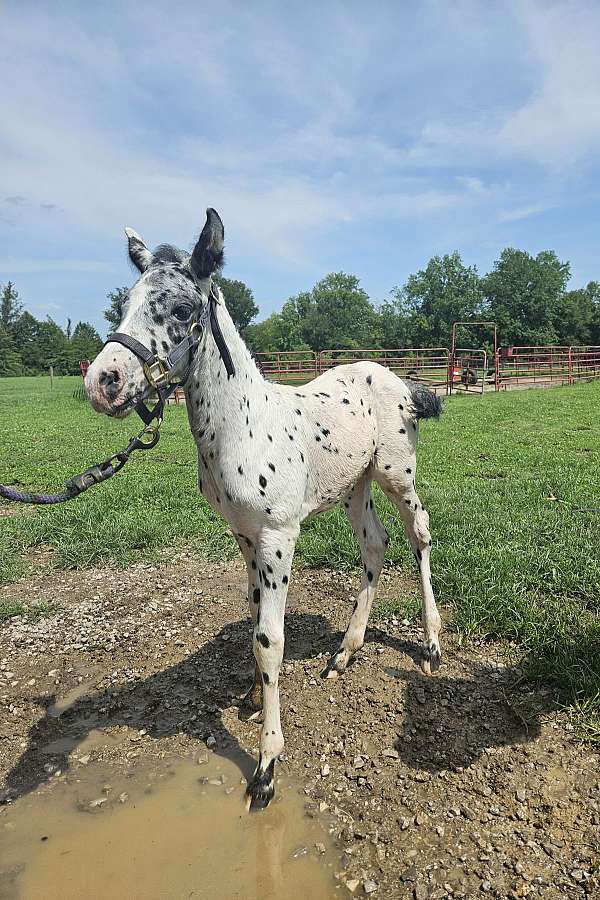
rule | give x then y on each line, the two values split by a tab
182	312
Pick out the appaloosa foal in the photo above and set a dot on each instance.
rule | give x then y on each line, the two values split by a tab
271	455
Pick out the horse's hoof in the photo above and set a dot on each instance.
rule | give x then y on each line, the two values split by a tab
431	658
261	789
336	665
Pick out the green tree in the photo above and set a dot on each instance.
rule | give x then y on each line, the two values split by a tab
446	291
25	331
52	347
86	343
523	294
239	300
10	360
280	331
578	316
593	289
398	322
575	316
10	306
262	337
114	313
337	313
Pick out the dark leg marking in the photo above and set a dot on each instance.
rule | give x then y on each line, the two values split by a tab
261	788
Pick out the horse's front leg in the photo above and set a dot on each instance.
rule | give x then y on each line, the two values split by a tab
274	553
252	700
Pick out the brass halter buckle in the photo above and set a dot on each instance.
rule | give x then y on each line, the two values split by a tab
157	373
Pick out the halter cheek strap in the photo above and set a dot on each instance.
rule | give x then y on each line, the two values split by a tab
160	371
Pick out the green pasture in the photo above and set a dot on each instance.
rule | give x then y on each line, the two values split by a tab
511	482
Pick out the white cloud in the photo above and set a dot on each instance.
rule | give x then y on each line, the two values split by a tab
456	117
559	123
556	121
522	212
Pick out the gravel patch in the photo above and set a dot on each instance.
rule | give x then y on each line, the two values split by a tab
461	785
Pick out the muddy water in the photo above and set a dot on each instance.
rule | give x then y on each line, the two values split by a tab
176	830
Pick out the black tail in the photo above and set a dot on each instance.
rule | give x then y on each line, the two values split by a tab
426	404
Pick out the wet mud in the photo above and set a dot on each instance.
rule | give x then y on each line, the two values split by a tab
172	829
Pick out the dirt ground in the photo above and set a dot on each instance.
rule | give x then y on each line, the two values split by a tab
460	785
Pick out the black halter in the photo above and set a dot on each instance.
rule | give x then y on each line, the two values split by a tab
159	371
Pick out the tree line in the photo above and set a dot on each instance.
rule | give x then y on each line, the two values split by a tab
29	346
525	295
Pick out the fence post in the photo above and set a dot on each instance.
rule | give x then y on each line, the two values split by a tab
571	379
497	369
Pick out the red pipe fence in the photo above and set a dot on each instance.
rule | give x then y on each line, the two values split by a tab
466	370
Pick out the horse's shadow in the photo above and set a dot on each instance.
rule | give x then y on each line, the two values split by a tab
448	721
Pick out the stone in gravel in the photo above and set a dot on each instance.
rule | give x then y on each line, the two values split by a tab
211	741
421	892
325	770
202	759
124	797
358	762
99	802
299	851
369	887
421	818
319	847
352	884
409	875
84	760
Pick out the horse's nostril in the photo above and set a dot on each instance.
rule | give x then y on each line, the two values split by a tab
109	378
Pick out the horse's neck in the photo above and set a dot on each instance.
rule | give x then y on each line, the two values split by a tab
215	402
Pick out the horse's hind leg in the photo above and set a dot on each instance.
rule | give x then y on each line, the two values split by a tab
373	540
416	524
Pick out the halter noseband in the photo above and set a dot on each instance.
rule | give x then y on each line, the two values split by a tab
159	371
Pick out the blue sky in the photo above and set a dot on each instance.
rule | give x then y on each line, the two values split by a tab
363	137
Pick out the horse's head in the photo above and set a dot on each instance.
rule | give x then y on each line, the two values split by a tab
167	298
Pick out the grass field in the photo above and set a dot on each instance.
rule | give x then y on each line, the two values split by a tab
511	481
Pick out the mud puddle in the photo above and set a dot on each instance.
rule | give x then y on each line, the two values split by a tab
173	829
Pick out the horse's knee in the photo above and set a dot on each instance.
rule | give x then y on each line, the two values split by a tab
268	650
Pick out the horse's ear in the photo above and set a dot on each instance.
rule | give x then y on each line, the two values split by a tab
207	255
139	254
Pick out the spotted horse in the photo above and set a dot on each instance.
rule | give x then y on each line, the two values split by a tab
271	455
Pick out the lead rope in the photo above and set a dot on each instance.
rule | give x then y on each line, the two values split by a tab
105	470
94	475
